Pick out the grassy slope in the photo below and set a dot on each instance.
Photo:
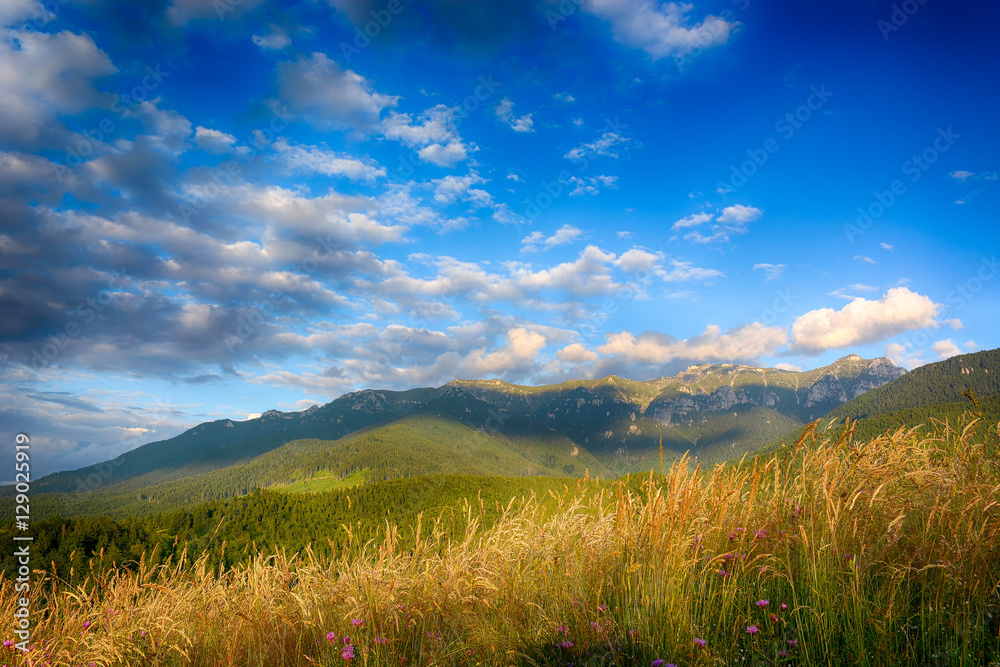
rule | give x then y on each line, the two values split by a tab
419	445
324	480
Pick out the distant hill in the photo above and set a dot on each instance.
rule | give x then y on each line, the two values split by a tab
608	426
221	443
420	444
934	384
930	392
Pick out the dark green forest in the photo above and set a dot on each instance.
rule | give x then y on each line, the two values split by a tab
231	531
940	392
939	383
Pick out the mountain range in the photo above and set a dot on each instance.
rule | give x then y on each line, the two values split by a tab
606	426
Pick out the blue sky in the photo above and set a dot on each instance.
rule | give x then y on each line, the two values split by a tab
216	207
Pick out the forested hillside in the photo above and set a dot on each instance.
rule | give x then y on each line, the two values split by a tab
937	392
418	445
231	531
934	384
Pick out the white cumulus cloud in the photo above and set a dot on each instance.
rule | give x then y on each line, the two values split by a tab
536	240
576	353
731	221
863	321
659	29
505	112
692	220
749	341
521	349
946	348
320	160
607	144
434	132
43	75
276	39
213	141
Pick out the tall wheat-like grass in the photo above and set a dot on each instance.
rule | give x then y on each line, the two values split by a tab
839	553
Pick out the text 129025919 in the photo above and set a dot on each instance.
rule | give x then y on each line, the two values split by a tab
22	541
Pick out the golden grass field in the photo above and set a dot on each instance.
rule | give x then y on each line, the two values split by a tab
832	553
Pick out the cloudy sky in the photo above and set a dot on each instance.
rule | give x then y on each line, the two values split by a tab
211	208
